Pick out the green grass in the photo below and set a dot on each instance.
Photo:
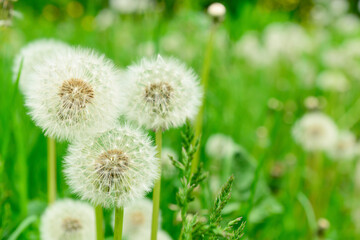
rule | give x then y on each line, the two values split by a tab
236	105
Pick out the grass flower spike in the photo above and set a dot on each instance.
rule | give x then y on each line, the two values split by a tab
76	93
163	93
113	168
31	55
68	220
315	132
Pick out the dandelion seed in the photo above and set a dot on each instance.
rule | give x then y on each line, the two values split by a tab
163	93
32	55
113	168
344	147
68	220
315	132
75	93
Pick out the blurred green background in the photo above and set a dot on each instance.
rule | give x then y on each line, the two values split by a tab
253	97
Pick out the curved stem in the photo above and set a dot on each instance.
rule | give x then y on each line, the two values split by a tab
51	170
99	223
119	216
156	192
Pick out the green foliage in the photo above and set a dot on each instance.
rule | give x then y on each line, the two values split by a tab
192	227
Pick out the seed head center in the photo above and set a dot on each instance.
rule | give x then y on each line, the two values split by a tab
76	93
111	165
71	224
137	218
158	95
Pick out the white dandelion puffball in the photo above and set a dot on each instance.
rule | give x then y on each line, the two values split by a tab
161	93
76	93
112	168
145	233
137	217
216	10
68	220
345	147
220	146
315	132
131	6
332	80
167	168
31	55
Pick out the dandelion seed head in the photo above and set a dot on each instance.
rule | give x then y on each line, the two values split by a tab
68	220
216	10
161	93
345	146
75	93
220	146
315	132
112	168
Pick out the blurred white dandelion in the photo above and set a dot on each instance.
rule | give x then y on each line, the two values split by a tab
167	168
137	218
315	132
220	146
68	220
345	146
105	19
217	11
332	80
131	6
32	55
161	93
75	92
113	168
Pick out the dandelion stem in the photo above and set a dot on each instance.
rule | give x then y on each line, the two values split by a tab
204	82
99	222
51	170
119	216
156	192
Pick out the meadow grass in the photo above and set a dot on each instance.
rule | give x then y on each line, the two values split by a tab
236	104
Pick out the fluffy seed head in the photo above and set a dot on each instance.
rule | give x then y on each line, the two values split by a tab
131	6
75	92
32	55
217	10
112	168
161	93
315	132
68	220
220	146
345	146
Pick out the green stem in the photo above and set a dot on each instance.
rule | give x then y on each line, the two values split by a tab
99	222
51	170
205	83
119	216
156	192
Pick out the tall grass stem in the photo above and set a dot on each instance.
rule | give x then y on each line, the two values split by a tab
99	222
157	188
118	228
51	170
204	83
